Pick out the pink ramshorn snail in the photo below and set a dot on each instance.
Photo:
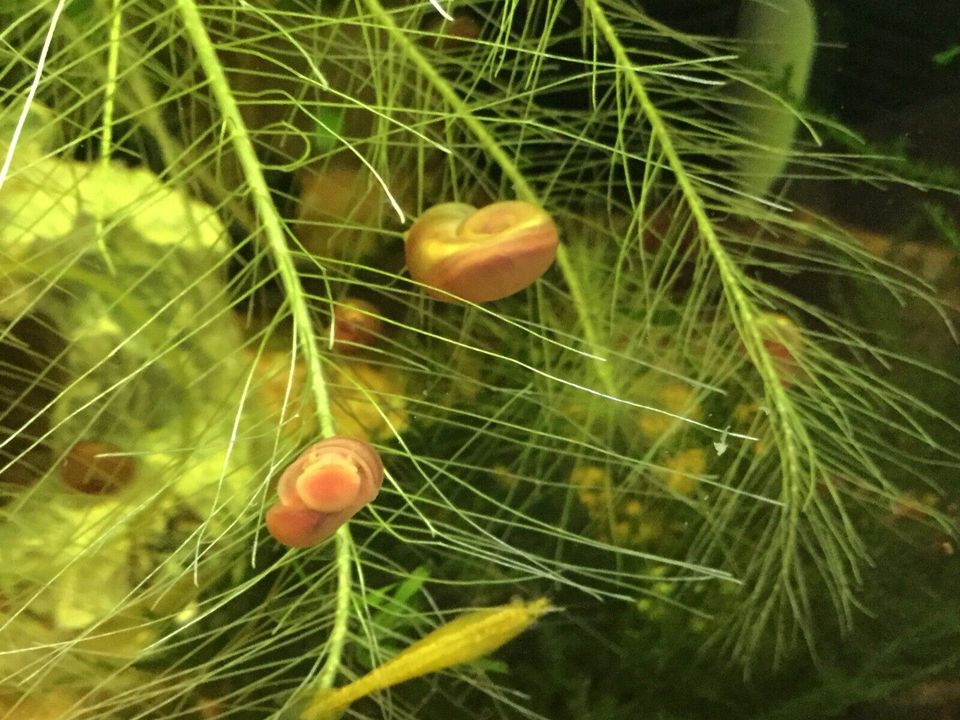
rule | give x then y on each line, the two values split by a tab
479	255
324	487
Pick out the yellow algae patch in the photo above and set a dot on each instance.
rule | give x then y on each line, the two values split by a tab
50	705
628	522
592	484
368	401
674	398
684	467
504	477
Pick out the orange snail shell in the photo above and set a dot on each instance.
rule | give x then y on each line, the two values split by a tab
481	255
323	488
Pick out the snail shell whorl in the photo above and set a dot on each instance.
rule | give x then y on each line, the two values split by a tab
481	255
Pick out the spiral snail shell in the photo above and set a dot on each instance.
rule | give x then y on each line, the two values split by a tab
479	255
324	487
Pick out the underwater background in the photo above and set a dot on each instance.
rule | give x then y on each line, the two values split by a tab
586	359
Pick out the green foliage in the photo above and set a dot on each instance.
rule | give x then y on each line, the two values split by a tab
947	56
686	434
944	223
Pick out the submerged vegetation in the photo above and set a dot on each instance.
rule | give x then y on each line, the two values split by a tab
715	429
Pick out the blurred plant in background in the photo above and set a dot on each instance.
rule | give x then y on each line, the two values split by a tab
705	433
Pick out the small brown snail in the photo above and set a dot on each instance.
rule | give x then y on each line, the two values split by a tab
452	34
481	255
323	488
355	325
94	467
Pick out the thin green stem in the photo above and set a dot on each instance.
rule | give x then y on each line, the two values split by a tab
263	203
744	312
295	295
31	93
110	86
792	438
522	187
109	95
338	634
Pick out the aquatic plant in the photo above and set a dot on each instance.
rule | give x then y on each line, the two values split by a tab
205	218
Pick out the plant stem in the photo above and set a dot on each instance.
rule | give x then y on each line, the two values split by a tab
744	312
110	86
295	295
793	441
522	187
263	203
31	93
109	101
338	634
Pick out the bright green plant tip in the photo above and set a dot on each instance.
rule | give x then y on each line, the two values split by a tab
947	56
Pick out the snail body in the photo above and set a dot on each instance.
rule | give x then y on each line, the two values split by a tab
322	489
480	255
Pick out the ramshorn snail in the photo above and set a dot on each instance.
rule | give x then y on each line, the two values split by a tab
458	251
323	488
